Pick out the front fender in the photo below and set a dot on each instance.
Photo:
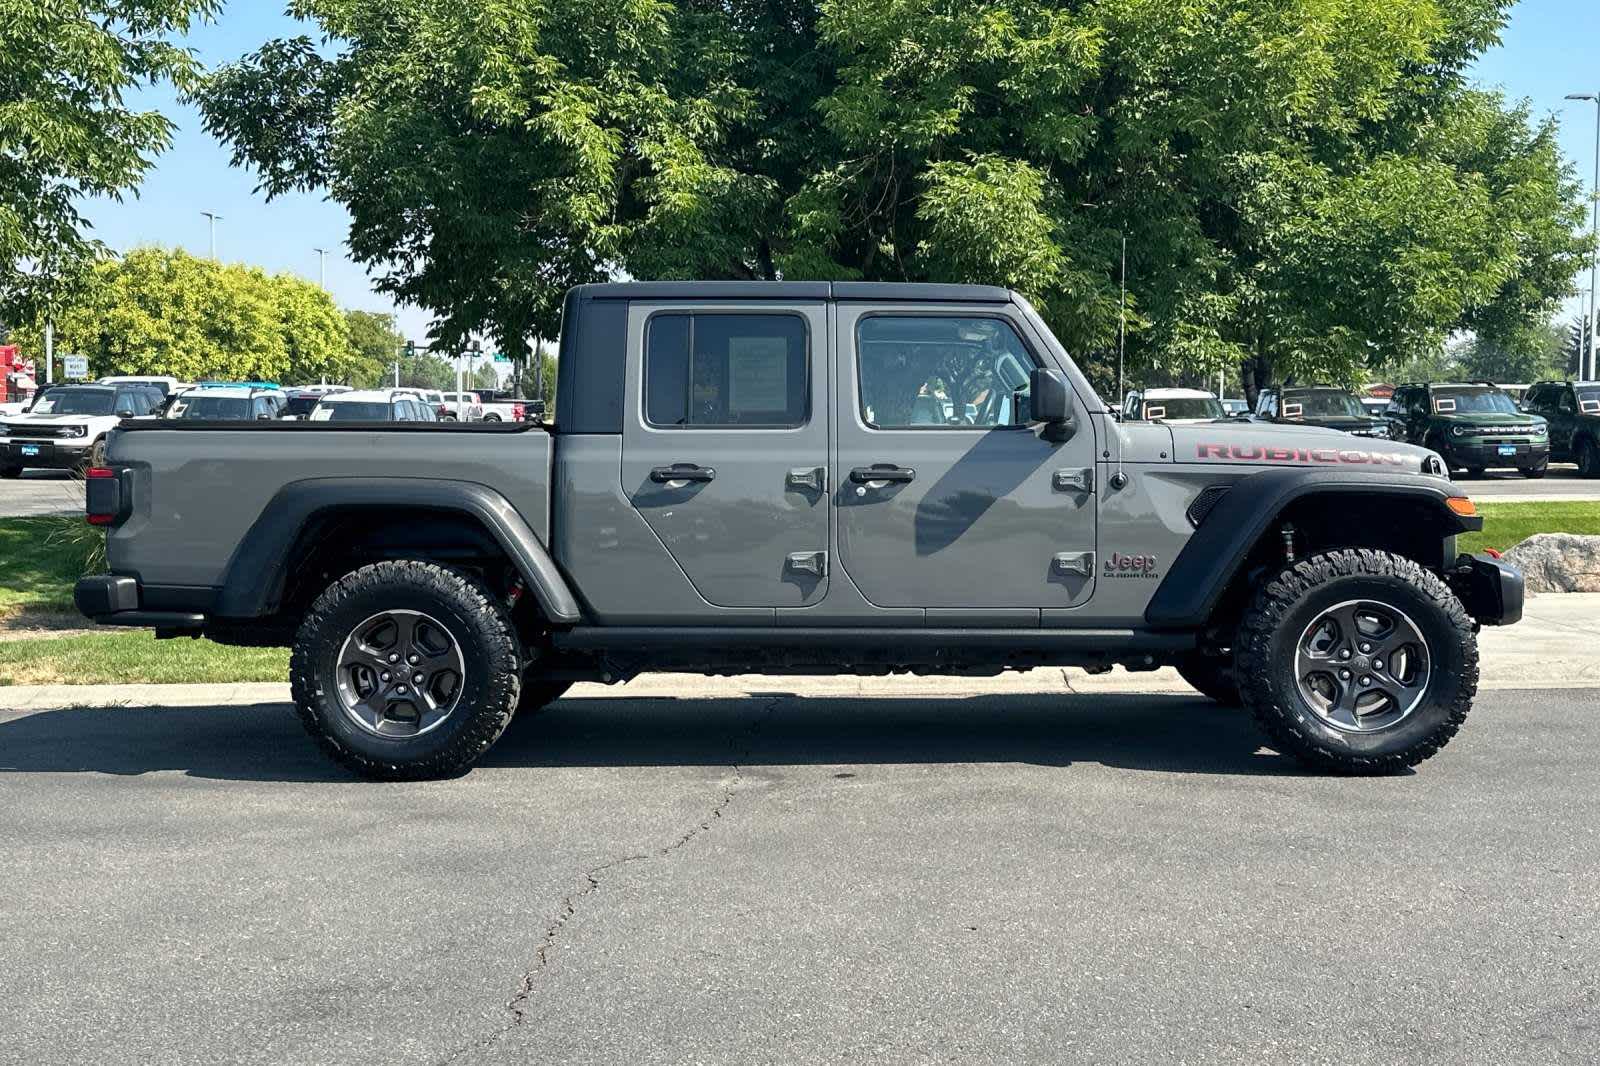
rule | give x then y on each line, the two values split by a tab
1213	557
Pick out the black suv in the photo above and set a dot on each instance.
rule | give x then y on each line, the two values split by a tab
1474	426
1327	406
1573	410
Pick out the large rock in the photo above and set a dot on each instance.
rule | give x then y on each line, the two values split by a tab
1558	562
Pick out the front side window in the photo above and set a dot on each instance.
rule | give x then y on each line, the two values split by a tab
731	371
941	372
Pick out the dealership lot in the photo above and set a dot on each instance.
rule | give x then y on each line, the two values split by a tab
990	874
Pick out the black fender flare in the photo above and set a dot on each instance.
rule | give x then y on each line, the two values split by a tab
1213	556
255	577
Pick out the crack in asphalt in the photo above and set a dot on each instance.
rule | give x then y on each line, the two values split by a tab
518	1004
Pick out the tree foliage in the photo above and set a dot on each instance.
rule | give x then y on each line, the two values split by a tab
66	131
159	311
1305	186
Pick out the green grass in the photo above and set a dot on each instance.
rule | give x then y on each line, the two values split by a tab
135	658
40	558
1508	524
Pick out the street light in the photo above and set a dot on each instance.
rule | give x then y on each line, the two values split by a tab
213	218
1594	236
322	266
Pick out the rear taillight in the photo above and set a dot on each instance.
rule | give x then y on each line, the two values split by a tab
516	412
102	495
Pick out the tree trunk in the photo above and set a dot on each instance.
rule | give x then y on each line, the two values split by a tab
1256	372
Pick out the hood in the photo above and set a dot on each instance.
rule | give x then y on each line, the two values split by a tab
1270	444
1344	422
1489	418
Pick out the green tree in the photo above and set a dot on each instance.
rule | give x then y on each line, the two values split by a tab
1533	354
376	343
66	132
1305	186
159	311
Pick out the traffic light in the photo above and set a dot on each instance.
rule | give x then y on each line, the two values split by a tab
411	349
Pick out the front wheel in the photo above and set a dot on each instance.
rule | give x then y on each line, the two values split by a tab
491	418
10	473
1533	473
1357	661
406	670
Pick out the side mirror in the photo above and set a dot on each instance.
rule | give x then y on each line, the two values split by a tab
124	412
263	418
1050	399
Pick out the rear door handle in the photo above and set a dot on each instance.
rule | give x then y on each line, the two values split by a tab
666	475
882	474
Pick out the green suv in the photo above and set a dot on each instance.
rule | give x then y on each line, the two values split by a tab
1573	410
1473	426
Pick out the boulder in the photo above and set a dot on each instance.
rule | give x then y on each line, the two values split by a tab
1558	562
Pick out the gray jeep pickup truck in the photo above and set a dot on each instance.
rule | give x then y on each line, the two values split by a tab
804	477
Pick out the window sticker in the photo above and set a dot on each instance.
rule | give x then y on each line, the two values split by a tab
1292	410
1443	406
1589	407
758	374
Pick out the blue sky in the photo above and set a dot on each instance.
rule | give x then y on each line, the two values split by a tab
1549	50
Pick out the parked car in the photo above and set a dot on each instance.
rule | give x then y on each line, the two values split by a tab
1572	410
375	406
167	384
67	426
1474	426
1327	406
773	505
228	403
503	410
299	403
1177	406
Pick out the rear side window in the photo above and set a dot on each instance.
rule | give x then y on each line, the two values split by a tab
738	371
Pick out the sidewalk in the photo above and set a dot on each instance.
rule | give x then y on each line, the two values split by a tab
1555	646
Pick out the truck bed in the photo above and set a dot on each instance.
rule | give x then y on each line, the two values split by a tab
193	490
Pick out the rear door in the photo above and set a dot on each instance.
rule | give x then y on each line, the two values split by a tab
947	498
725	445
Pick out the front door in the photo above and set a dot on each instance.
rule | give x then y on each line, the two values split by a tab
725	446
947	496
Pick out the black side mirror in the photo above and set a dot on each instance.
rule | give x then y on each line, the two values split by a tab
124	412
1050	398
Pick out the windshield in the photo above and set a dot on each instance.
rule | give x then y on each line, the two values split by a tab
1184	407
352	411
1322	403
214	408
76	402
1473	401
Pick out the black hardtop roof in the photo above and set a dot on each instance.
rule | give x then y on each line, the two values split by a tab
793	290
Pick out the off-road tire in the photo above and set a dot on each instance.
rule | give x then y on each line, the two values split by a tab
1212	675
1285	606
94	456
10	473
1534	473
1588	458
483	631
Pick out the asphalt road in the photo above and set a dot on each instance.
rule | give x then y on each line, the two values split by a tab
55	492
1007	878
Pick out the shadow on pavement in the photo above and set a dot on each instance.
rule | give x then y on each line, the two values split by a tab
1173	734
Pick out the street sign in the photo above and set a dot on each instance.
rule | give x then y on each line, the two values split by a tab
74	367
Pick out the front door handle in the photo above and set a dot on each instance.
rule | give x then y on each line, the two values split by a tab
681	472
882	474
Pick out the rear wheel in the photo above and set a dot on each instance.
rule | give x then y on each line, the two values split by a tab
1212	675
1476	471
491	418
1588	458
1358	661
405	670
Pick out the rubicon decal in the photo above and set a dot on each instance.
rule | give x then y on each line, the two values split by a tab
1259	453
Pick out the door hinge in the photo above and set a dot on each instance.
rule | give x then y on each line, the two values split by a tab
1080	563
813	563
814	478
1079	480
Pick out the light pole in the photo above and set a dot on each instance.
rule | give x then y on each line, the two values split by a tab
1594	236
213	218
322	266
